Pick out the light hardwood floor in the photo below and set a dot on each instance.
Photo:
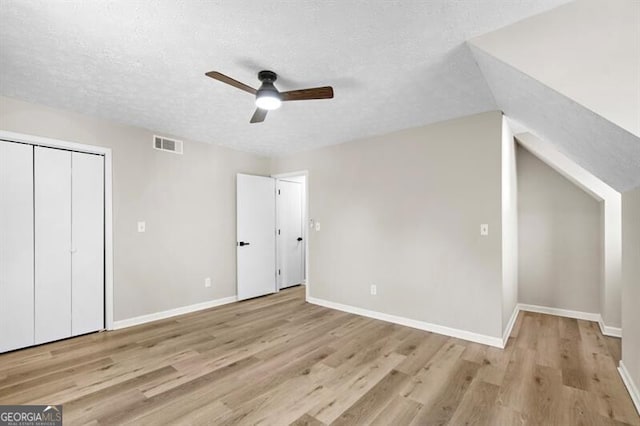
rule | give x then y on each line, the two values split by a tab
278	360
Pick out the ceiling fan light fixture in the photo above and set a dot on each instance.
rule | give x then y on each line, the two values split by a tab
267	96
268	100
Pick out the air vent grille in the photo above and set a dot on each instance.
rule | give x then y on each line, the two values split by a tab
165	144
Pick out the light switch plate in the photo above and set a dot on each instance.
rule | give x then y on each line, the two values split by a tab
484	229
142	226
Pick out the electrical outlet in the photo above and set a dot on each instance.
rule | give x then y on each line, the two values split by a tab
142	226
374	289
317	226
207	282
484	229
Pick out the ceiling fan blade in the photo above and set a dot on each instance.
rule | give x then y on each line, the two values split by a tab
325	92
235	83
258	116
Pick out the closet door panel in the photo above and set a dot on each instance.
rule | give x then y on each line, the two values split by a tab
16	246
52	244
87	259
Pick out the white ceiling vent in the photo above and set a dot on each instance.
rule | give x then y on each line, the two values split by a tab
166	144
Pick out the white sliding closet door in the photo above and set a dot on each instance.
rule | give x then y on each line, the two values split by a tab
52	244
87	235
16	246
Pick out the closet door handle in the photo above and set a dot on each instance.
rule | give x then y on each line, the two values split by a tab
73	250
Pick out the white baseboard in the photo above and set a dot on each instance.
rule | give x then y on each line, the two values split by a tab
587	316
130	322
509	327
631	386
608	330
420	325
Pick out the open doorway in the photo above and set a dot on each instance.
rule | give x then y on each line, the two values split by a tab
291	225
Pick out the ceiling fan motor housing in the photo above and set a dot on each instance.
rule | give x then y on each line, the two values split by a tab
267	96
267	76
267	88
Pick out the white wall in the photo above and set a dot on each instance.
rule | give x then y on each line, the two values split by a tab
187	201
509	226
631	287
403	211
560	239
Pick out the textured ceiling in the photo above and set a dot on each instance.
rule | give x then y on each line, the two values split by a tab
599	146
393	64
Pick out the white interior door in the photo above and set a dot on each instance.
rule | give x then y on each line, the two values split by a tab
291	233
16	246
256	244
87	236
52	244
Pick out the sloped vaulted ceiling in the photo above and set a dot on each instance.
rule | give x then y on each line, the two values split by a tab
604	149
393	64
572	76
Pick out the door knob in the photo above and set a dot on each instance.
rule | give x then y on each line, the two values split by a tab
242	244
299	238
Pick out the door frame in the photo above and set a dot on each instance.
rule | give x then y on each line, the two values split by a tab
305	220
108	203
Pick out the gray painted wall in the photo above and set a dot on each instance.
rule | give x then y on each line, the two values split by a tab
631	283
403	211
400	211
560	239
187	201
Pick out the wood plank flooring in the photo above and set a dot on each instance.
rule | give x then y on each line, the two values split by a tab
278	360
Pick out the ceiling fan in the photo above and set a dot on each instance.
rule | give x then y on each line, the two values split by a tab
268	97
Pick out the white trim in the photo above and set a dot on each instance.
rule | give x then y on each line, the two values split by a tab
130	322
108	242
307	254
108	203
631	386
566	167
291	174
509	327
509	209
420	325
608	330
53	143
303	223
587	316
